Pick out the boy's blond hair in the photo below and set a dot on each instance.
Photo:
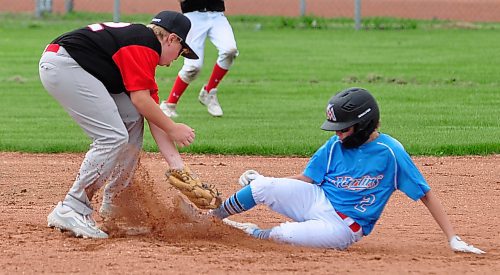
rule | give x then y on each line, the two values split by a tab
159	31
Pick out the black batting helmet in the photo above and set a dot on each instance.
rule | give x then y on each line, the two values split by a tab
352	107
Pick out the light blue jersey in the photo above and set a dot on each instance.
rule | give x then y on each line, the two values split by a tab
359	181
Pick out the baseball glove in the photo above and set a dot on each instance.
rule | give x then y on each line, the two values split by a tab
201	194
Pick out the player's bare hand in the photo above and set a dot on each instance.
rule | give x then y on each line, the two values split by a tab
458	245
182	134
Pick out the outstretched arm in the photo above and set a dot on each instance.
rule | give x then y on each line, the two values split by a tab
167	147
437	211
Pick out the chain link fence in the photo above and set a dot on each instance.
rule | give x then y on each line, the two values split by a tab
457	10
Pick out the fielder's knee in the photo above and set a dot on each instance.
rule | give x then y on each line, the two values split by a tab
117	140
226	58
189	74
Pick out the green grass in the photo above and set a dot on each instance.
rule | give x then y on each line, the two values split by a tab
437	85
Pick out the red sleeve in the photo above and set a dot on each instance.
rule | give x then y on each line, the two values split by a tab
137	66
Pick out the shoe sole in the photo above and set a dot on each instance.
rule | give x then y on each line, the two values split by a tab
54	222
215	115
171	115
212	114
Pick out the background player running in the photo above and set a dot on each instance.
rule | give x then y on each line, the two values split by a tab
345	186
208	20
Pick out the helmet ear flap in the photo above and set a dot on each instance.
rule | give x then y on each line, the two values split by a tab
361	134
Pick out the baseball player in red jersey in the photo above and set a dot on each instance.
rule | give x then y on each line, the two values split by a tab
208	20
103	75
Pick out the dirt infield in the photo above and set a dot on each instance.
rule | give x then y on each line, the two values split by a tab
462	10
405	240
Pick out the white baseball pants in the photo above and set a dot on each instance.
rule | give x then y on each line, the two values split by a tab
216	27
316	223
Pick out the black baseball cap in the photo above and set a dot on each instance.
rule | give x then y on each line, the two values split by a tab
178	23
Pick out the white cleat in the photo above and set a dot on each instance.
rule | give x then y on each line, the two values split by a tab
169	109
210	100
65	218
246	227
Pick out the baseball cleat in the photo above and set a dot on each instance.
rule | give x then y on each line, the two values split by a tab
210	100
246	227
66	219
169	109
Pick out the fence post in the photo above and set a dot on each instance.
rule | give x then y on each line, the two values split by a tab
38	8
48	6
116	11
302	7
42	6
68	6
357	14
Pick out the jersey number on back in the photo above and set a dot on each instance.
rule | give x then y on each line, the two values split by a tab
100	26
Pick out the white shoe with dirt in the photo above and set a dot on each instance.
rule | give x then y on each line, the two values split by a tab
210	100
169	109
66	219
246	227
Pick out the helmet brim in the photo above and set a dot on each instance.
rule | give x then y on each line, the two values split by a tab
336	126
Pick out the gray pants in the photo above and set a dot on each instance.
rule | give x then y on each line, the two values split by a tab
110	120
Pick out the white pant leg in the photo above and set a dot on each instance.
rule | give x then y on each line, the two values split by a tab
88	102
222	36
127	162
200	24
316	223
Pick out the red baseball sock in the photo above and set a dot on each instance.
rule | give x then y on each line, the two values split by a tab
177	90
217	74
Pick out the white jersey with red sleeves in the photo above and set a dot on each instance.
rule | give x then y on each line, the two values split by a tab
359	181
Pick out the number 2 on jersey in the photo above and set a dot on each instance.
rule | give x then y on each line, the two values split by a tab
366	201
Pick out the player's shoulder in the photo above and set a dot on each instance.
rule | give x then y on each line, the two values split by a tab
139	30
139	34
389	142
333	140
328	144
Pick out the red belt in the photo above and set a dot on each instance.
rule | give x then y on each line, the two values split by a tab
53	48
355	227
